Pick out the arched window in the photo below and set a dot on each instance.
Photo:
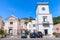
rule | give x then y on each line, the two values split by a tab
57	28
44	18
11	22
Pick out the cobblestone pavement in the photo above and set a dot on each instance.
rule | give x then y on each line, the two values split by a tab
17	38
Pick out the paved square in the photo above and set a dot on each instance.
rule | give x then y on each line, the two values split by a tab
18	38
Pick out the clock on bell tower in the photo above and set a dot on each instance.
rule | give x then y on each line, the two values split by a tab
42	8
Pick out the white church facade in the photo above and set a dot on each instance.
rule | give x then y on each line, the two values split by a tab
11	25
43	21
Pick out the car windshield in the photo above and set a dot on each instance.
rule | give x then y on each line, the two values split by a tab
23	34
40	33
23	31
32	33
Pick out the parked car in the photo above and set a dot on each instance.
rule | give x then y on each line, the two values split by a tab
39	35
23	34
32	35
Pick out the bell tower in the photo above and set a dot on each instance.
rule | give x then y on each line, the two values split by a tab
44	18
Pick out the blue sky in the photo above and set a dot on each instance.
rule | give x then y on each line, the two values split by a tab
26	8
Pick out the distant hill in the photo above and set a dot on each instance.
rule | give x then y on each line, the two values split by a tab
56	20
28	19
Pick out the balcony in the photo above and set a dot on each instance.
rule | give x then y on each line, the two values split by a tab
45	22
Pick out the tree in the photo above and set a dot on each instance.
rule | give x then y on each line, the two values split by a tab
56	20
54	33
26	23
27	32
1	32
28	20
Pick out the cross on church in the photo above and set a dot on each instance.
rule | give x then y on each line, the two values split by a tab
12	12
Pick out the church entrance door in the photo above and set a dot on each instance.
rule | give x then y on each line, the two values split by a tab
46	31
10	31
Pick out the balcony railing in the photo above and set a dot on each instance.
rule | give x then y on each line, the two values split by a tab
45	22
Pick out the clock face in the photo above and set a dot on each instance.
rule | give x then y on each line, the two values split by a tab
43	8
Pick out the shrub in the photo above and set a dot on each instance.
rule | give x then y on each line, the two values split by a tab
2	33
27	32
54	33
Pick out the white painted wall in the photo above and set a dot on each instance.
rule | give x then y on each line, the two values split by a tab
39	20
30	26
14	25
39	17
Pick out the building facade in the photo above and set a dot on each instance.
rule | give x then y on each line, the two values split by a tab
57	28
44	18
13	26
1	23
31	26
22	26
43	21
